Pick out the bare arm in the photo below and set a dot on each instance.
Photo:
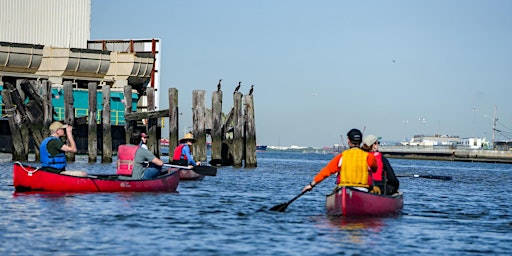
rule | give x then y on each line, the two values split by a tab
157	161
71	146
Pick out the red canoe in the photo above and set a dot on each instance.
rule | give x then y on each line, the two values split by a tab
349	202
28	178
189	174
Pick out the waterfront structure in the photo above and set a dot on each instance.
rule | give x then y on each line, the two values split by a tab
432	140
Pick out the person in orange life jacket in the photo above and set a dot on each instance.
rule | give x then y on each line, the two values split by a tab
182	154
142	156
352	165
144	141
384	177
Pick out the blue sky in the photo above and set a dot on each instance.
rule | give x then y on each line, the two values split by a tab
321	68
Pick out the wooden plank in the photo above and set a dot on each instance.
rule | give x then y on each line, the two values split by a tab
135	116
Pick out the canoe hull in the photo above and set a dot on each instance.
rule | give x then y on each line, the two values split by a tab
351	202
188	174
28	178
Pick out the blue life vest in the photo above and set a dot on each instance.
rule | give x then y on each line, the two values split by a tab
58	161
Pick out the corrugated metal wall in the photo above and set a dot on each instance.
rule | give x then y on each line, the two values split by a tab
59	23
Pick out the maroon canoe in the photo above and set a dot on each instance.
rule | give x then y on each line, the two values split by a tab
349	202
29	178
189	174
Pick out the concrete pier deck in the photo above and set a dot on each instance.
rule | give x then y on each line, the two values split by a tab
447	154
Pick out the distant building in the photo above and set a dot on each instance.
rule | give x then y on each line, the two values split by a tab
472	143
433	140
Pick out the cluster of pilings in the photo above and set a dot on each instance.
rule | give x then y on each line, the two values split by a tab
29	109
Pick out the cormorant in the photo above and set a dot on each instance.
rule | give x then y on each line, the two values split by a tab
238	87
218	85
251	90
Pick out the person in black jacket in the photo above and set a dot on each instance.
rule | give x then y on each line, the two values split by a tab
384	177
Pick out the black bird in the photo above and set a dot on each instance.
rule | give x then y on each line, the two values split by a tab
218	85
251	90
238	87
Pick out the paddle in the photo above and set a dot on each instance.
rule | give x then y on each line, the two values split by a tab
282	207
426	176
200	169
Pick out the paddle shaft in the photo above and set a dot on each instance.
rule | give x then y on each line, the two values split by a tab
200	169
282	207
295	198
426	176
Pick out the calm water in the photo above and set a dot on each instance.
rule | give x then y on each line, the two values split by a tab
228	214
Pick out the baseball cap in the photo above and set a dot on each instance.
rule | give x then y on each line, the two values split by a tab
355	135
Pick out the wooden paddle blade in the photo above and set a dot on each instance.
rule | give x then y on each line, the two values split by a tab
205	170
436	177
216	162
279	207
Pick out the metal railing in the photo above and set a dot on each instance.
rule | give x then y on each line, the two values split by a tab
116	116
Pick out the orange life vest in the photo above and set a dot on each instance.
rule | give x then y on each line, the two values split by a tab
125	159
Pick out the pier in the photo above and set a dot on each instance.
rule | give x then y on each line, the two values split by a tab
447	154
29	109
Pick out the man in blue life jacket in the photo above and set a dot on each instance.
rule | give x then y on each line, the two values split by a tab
53	150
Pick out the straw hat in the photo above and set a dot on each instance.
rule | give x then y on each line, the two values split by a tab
188	136
57	125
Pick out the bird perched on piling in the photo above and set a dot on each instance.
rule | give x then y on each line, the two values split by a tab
238	87
218	85
251	90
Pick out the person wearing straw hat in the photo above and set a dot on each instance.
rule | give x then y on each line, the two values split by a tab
182	154
53	150
384	177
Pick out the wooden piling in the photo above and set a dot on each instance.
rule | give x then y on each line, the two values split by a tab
19	152
129	126
69	112
107	136
250	132
216	129
47	106
92	134
199	116
173	121
152	142
238	140
34	112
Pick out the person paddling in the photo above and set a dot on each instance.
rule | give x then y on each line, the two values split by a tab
351	165
182	154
